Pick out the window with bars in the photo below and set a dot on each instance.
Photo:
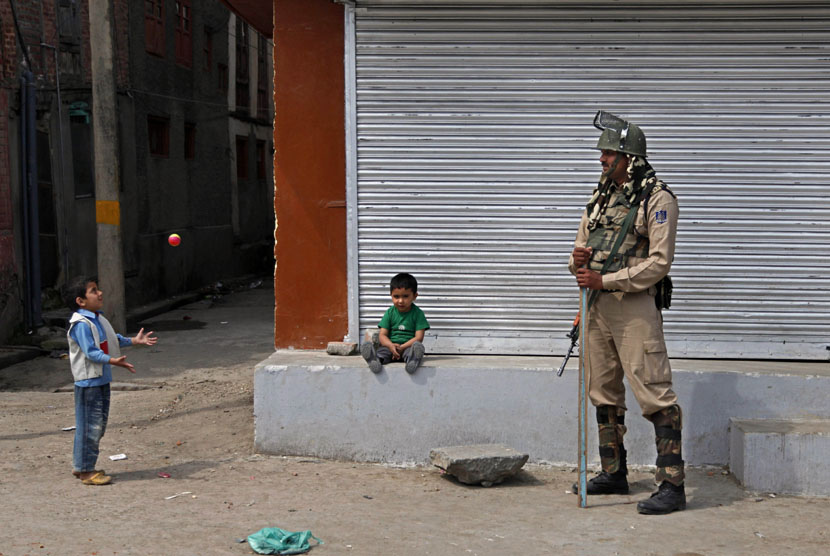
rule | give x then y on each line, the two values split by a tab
184	33
243	101
158	133
262	105
69	22
241	157
189	140
222	78
207	50
261	172
154	26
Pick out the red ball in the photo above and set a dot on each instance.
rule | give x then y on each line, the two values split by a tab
174	240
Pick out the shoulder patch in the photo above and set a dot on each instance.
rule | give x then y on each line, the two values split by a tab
660	216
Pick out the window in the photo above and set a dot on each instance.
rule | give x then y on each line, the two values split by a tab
260	160
243	100
154	26
222	78
158	132
261	78
69	21
184	33
207	50
241	157
189	141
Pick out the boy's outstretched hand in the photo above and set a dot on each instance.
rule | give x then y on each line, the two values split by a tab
144	339
122	362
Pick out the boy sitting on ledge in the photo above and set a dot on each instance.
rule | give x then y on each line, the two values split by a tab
402	328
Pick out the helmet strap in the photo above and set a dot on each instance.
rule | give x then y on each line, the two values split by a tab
613	168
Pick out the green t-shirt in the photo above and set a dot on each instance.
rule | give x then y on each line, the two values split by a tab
402	326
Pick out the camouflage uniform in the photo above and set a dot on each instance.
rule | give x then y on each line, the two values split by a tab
625	328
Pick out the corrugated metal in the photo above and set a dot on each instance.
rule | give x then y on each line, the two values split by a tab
475	158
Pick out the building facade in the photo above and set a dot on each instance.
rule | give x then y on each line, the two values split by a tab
194	87
469	155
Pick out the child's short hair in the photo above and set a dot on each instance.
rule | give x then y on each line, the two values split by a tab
404	280
74	289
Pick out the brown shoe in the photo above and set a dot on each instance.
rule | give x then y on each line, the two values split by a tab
97	479
78	474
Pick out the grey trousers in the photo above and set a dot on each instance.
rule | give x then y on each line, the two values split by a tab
385	354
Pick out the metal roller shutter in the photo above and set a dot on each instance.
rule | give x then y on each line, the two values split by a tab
475	158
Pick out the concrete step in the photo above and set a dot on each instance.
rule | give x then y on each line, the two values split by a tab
314	404
786	456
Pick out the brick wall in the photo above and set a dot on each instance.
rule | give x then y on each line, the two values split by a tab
9	287
7	44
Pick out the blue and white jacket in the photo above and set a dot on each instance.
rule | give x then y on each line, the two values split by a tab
89	355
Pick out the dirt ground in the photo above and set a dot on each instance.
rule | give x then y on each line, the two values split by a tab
194	421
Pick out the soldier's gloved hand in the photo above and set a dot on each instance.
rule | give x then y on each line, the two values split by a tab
589	279
581	255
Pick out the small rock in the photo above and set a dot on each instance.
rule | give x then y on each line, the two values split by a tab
341	348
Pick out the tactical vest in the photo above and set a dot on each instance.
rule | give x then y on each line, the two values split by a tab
602	238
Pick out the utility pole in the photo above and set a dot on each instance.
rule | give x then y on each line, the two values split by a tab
107	173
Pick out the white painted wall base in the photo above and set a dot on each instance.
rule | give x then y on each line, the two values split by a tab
311	403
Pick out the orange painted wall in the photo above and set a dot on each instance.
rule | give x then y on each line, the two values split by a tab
310	287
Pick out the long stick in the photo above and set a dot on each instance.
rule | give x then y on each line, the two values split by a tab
583	410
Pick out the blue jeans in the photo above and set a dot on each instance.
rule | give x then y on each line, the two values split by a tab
92	409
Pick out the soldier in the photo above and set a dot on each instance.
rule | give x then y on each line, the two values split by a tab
625	265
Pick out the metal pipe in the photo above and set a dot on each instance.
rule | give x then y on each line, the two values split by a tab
65	242
24	196
28	142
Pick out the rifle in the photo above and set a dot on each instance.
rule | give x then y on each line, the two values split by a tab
574	336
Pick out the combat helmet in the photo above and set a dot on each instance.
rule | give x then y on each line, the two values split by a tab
619	135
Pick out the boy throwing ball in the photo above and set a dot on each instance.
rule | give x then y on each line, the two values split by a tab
93	349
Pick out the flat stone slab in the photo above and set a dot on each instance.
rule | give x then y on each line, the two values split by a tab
485	464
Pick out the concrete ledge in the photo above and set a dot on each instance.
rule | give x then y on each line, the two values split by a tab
782	456
311	403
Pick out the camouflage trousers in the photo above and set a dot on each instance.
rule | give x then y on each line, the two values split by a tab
668	423
611	428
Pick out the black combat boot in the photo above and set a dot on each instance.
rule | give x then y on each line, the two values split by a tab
668	423
667	499
612	454
606	483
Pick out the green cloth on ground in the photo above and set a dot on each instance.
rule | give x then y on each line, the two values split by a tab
273	540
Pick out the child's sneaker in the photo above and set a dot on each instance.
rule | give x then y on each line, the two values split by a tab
415	357
367	350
